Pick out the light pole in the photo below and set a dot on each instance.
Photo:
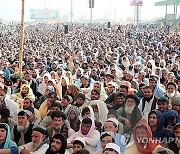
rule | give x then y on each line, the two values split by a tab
21	39
137	18
91	1
71	10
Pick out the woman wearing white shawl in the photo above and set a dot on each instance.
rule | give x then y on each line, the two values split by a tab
43	85
100	110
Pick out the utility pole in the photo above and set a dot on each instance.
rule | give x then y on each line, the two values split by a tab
91	1
21	39
71	10
137	18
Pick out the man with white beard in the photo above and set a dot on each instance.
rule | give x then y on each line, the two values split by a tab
21	133
130	114
171	92
39	143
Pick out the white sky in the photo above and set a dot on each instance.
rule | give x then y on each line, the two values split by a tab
116	9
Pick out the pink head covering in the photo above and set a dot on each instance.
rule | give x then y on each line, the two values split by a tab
79	133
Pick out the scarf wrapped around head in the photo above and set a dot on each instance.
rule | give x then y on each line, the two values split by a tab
170	115
30	92
91	113
76	110
8	137
79	133
102	110
150	145
74	91
59	86
70	77
7	74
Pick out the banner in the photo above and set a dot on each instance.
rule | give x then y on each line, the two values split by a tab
136	3
44	14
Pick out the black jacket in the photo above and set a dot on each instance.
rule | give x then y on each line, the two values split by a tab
27	135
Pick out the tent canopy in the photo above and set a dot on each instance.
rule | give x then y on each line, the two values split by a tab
168	2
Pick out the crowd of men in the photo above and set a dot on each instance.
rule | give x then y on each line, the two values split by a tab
95	90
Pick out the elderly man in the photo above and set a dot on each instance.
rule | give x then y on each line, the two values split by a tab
172	91
39	142
21	133
130	113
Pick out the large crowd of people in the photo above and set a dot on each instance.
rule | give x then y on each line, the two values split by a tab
94	90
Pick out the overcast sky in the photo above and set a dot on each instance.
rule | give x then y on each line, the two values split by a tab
114	9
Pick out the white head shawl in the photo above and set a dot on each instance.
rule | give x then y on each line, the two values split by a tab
75	75
91	113
42	86
47	75
153	66
163	69
127	63
59	86
164	63
102	110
